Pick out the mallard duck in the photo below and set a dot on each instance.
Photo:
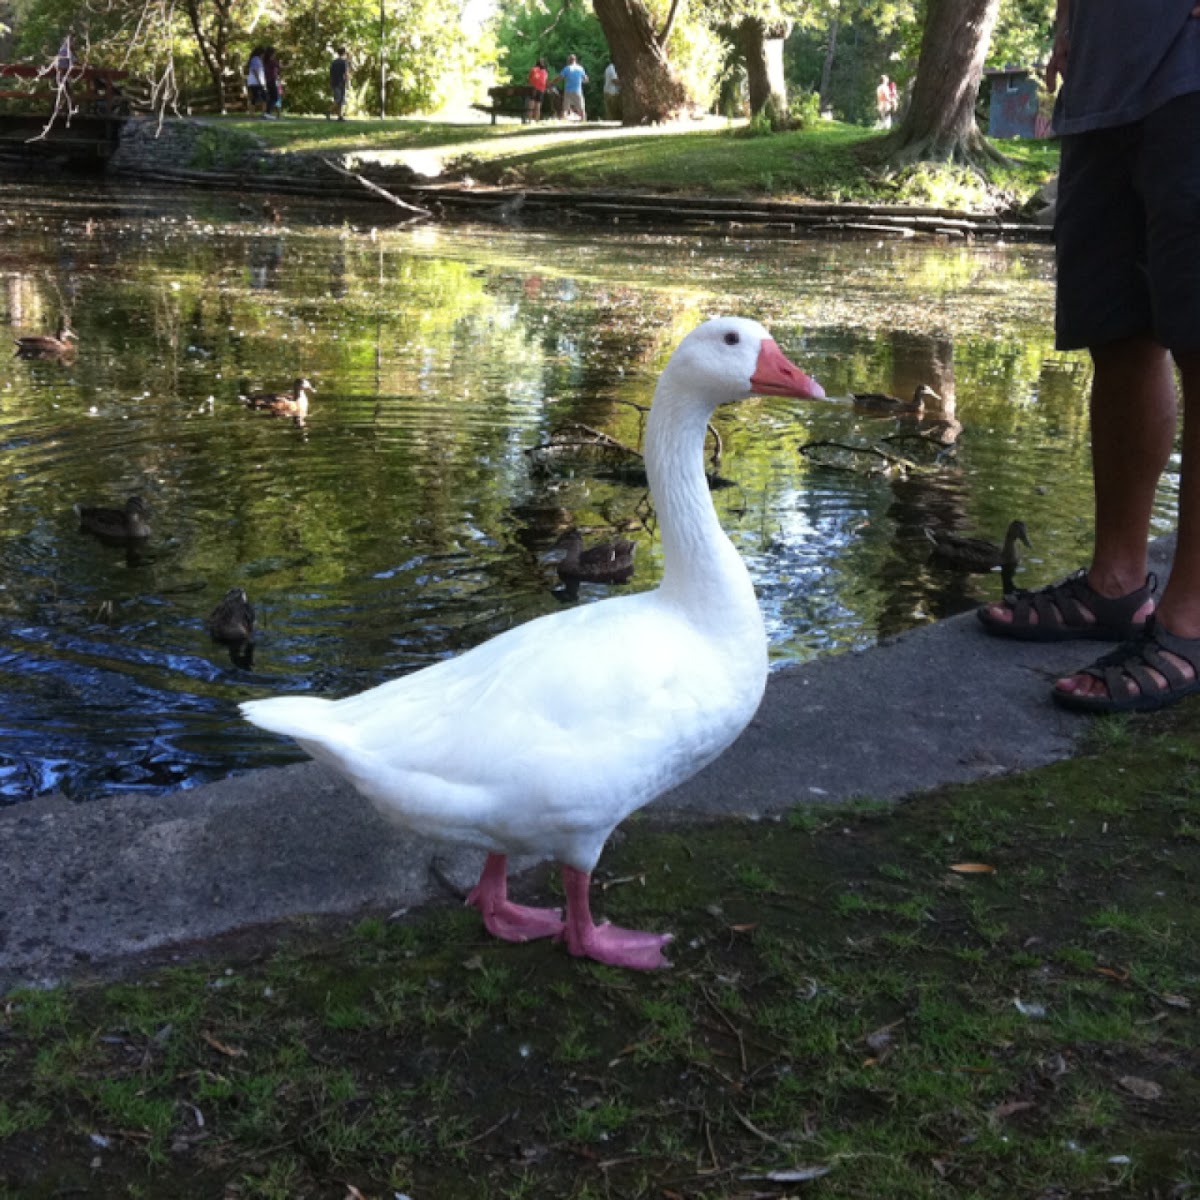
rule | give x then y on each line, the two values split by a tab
126	524
46	345
882	402
606	562
232	621
978	554
543	739
283	404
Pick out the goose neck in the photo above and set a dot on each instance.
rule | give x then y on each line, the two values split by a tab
698	559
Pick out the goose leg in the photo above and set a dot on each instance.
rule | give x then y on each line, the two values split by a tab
503	919
606	943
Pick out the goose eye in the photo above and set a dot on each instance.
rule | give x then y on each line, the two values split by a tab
732	339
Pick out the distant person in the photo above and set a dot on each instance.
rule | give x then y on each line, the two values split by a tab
339	80
885	102
612	93
538	77
256	81
270	61
573	78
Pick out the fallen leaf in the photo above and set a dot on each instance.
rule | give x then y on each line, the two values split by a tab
1143	1089
744	928
1112	973
1034	1011
881	1038
224	1048
792	1174
973	868
1175	1001
1012	1106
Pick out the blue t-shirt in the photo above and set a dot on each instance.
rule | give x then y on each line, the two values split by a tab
573	76
1125	59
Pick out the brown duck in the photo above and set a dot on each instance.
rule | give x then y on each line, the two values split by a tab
607	562
283	404
128	524
882	402
232	621
47	345
978	554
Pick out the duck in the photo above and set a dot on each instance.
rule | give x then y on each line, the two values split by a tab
271	212
882	402
232	621
128	524
283	404
46	345
606	562
979	554
545	738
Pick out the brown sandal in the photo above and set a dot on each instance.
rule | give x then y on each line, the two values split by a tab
1134	661
1062	612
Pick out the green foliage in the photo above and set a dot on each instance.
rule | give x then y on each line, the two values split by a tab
804	110
219	149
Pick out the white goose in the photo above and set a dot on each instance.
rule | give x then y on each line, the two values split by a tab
542	740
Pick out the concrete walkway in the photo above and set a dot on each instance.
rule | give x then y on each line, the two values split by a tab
85	886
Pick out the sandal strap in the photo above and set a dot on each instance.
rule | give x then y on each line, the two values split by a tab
1135	659
1068	603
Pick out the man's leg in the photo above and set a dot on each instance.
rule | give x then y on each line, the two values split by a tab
1179	605
1133	427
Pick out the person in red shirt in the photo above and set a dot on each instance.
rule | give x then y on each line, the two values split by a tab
538	75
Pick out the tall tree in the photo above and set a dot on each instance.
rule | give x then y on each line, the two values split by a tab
213	23
761	43
650	89
940	123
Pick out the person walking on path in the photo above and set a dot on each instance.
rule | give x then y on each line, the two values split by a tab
1127	235
274	84
573	78
256	81
538	78
339	80
612	93
885	102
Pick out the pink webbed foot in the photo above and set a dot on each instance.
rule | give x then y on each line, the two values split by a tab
619	947
503	919
607	943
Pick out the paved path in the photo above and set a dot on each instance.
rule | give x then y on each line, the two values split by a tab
87	885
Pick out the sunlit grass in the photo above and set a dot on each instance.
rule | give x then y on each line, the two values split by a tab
712	157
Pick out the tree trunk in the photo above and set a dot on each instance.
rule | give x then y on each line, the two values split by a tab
761	44
650	89
827	65
940	123
213	45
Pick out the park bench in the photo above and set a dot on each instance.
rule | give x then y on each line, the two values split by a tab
508	101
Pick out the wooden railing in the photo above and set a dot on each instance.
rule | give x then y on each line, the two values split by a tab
77	111
92	91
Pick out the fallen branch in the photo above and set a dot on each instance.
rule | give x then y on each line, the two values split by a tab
379	191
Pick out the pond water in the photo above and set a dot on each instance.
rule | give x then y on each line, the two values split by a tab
405	521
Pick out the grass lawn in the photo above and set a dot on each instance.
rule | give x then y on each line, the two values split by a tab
990	991
712	157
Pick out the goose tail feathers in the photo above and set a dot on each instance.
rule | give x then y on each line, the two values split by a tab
304	718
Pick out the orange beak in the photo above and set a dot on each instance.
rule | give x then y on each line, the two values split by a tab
775	375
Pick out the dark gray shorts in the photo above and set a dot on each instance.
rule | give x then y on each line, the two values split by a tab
1127	231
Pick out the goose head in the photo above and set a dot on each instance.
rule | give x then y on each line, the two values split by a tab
731	358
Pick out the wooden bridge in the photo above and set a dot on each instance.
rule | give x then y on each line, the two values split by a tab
76	113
